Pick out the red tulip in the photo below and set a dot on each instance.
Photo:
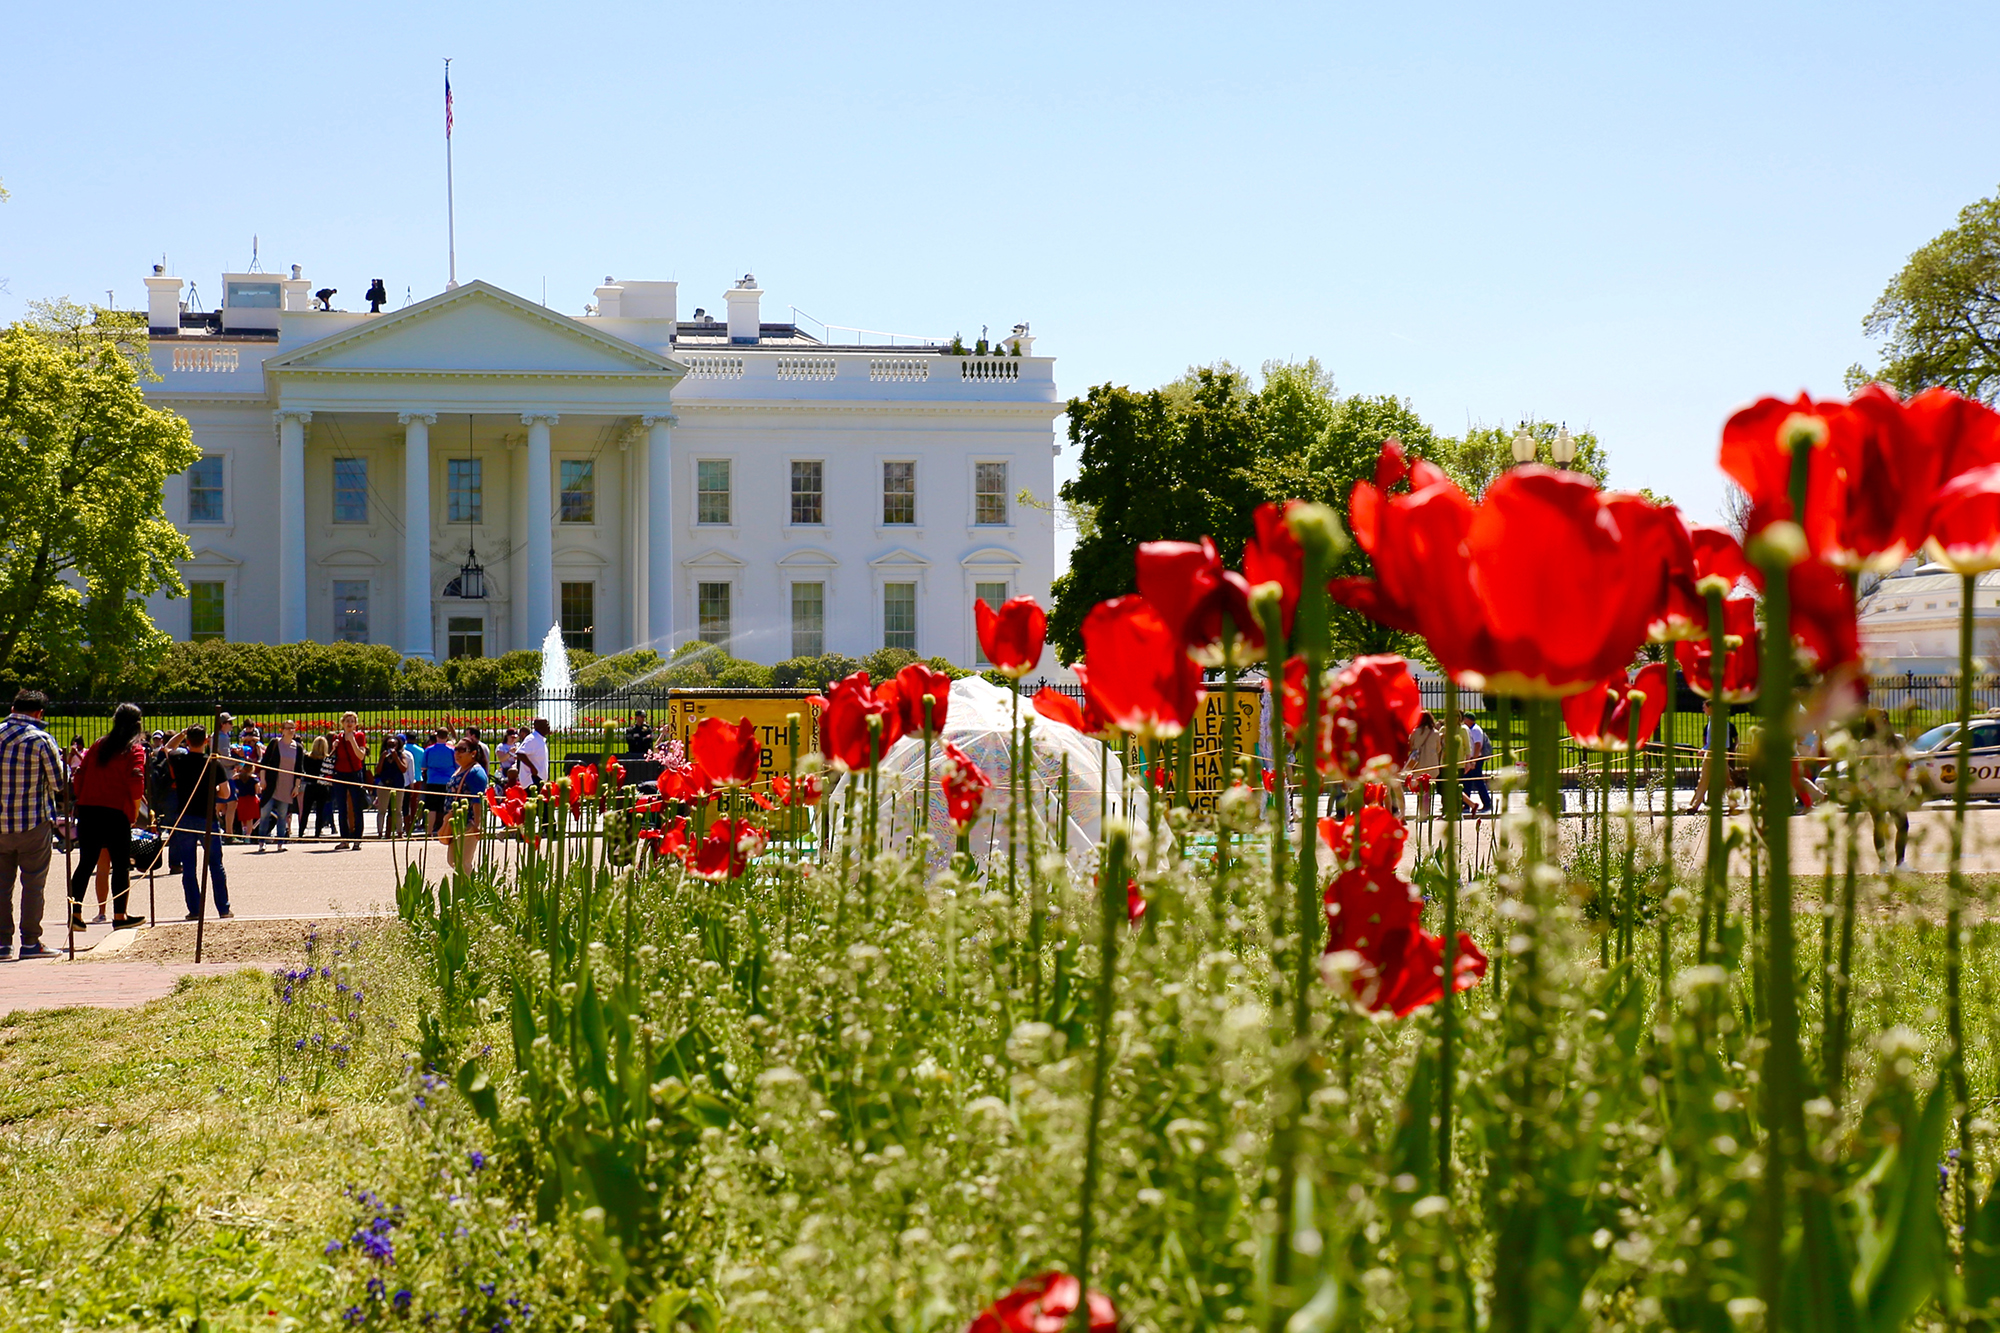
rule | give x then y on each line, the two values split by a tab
1188	586
614	772
683	782
806	791
965	786
1044	1305
1868	483
1823	622
1374	914
1370	708
1739	668
1135	902
583	779
725	853
670	840
843	731
1056	706
1273	555
1138	675
1011	637
1964	525
1423	578
1568	589
727	752
1602	719
915	681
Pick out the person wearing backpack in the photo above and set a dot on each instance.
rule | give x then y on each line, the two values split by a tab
198	781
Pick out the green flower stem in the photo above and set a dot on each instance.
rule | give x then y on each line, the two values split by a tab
1715	884
1954	941
1665	942
1606	916
1783	1092
1447	1003
1013	800
1111	912
1629	939
1225	841
930	732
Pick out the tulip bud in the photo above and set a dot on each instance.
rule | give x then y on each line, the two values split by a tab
1709	583
1779	546
1317	529
1266	597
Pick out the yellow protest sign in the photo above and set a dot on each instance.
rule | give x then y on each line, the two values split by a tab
768	711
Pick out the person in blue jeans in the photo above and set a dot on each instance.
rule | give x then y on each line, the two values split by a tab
198	780
440	768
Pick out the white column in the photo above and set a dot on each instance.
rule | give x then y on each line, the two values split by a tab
660	532
292	526
418	639
538	601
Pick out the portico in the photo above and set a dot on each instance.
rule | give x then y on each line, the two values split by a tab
487	394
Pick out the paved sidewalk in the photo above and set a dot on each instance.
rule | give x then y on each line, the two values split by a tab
108	985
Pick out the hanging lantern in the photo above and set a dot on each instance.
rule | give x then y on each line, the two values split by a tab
471	580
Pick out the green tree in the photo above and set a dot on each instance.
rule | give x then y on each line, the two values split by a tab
1171	463
1939	318
84	537
1487	451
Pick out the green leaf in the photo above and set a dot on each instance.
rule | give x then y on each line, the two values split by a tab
478	1091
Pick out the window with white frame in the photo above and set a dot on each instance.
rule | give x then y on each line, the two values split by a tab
808	619
350	610
464	636
711	490
993	594
899	493
205	490
578	609
989	494
350	490
808	491
899	615
711	605
579	490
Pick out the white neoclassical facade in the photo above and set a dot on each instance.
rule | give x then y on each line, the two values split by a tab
457	476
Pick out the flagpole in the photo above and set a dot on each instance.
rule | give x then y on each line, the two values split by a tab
450	207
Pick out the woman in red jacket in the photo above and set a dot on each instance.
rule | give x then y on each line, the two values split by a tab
109	783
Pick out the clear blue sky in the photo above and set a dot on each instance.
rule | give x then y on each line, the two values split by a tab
1631	221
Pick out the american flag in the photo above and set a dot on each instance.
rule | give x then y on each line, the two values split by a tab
447	100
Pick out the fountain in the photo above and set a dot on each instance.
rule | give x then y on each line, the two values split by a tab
558	698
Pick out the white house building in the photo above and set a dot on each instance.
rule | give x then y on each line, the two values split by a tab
1909	621
457	476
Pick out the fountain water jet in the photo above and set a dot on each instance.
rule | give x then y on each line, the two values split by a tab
558	696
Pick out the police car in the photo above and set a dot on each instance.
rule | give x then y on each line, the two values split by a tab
1934	758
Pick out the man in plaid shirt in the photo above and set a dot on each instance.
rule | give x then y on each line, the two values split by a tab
31	775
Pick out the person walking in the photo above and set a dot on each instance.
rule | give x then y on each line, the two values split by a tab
468	793
533	754
392	775
109	783
31	777
1472	778
1733	777
350	778
439	769
199	782
280	778
1426	753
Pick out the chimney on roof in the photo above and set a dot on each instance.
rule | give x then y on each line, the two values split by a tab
743	316
297	290
608	298
163	301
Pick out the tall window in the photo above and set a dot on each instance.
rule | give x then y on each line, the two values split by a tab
808	617
350	610
205	491
992	594
711	605
989	493
579	490
711	490
464	636
899	493
205	612
350	490
465	485
579	616
808	491
899	615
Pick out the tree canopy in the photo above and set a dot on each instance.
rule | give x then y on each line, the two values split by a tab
84	536
1939	318
1198	455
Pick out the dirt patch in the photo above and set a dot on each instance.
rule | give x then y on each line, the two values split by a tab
261	942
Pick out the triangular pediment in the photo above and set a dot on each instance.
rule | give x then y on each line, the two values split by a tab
477	329
900	558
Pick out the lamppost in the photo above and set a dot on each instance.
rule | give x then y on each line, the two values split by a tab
1562	449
